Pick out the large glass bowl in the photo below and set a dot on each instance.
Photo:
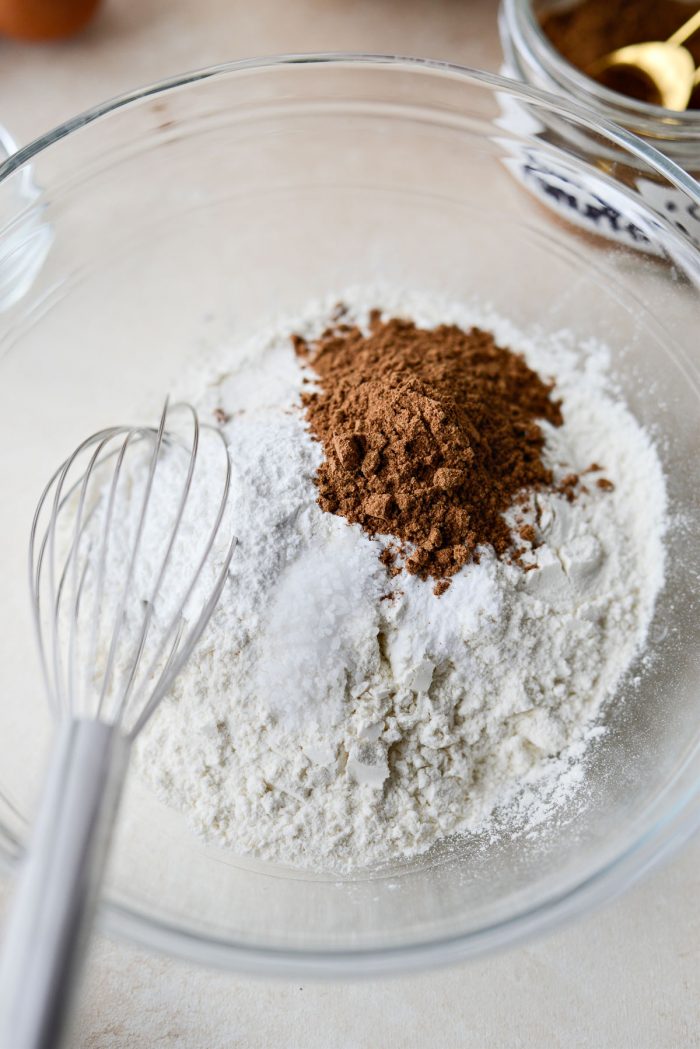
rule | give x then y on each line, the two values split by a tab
186	214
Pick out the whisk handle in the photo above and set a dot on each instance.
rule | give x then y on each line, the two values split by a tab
57	890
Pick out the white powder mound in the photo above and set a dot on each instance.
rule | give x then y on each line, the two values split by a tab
321	726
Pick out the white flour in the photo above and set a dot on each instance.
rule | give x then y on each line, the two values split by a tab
320	726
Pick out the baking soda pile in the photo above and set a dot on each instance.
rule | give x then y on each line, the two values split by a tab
335	715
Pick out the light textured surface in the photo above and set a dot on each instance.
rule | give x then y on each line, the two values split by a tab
626	977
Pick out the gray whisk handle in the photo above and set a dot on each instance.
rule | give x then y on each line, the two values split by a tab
58	882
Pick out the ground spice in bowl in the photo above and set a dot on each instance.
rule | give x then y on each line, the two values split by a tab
593	28
428	435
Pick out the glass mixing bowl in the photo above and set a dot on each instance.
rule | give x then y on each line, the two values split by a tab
185	214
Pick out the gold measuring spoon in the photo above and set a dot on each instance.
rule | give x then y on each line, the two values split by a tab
667	66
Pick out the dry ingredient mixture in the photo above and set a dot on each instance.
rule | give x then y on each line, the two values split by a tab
586	31
449	553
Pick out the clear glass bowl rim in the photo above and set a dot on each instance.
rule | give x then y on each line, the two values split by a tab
580	113
671	831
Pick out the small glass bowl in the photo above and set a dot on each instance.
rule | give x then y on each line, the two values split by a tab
183	216
532	58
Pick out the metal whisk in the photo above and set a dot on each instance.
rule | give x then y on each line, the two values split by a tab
124	576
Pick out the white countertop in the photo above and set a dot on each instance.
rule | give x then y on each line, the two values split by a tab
626	977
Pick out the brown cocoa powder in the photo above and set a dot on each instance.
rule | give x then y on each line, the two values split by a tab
593	28
428	435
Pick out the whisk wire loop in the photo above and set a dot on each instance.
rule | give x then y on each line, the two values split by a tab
131	563
36	560
149	604
68	589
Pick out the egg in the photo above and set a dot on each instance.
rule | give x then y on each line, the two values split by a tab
44	19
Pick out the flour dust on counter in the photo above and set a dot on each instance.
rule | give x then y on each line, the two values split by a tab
450	543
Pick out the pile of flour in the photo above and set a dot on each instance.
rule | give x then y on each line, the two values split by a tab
333	717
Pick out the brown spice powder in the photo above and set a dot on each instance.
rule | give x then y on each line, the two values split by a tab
593	28
429	436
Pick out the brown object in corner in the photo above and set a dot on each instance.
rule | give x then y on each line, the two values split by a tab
38	20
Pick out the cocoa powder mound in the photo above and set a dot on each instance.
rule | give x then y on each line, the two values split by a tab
428	435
